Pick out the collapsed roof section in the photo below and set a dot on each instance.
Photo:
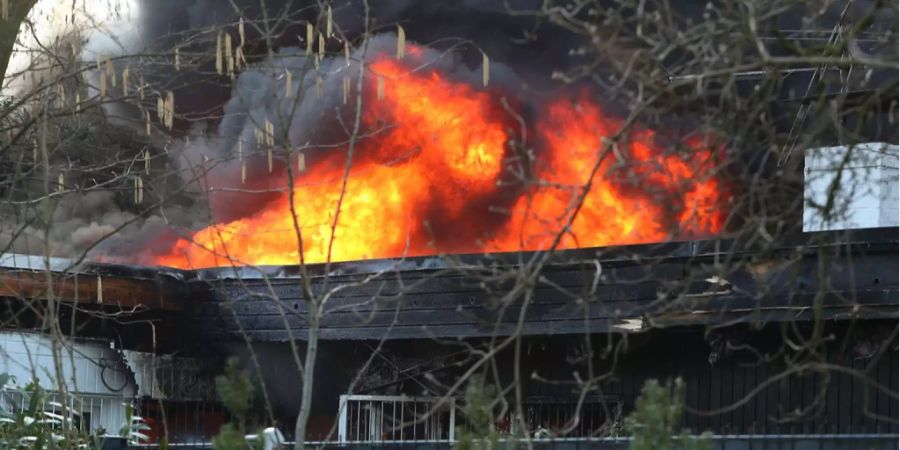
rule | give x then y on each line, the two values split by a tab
833	275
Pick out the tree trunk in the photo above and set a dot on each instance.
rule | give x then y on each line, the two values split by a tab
309	367
9	30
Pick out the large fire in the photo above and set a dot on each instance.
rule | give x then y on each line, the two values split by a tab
441	175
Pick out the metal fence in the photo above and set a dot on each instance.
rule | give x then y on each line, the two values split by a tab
181	421
394	418
722	442
398	418
87	412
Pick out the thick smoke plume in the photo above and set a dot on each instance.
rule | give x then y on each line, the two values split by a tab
314	118
204	150
209	168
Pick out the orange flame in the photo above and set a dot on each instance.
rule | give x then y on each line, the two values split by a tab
438	175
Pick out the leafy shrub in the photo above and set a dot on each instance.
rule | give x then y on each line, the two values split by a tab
656	417
37	427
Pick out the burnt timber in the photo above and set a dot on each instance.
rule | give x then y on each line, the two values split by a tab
680	314
128	291
845	275
833	276
139	307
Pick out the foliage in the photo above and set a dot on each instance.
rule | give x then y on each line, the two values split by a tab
656	416
480	432
39	427
235	389
133	427
236	392
229	438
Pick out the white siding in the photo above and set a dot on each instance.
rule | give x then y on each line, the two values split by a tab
866	194
90	368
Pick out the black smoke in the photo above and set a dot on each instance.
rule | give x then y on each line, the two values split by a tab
214	112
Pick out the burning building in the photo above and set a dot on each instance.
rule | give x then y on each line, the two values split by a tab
440	167
397	335
408	212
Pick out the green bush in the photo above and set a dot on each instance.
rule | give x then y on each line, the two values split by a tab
35	427
653	424
478	410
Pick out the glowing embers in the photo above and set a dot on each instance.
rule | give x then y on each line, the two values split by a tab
430	176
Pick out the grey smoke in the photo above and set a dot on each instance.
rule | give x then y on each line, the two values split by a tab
259	96
204	155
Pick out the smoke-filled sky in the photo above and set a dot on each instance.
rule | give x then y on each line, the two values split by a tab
223	110
214	112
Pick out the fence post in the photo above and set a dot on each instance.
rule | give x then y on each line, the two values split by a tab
451	435
342	419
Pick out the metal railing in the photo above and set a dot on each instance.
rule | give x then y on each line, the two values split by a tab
394	418
86	412
549	417
398	418
718	442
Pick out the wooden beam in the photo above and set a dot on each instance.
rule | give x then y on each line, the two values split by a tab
89	289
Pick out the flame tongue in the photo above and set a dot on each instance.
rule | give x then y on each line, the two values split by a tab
425	180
